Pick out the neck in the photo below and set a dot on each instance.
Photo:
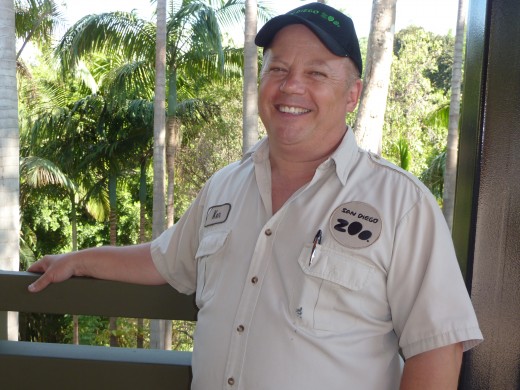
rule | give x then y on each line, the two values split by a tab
292	167
288	176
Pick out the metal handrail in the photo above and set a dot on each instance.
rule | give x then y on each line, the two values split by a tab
24	365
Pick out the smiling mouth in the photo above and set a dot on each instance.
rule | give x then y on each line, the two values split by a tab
293	110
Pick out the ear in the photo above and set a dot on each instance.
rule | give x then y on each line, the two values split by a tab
354	93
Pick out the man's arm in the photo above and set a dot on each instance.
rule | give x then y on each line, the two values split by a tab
437	369
132	264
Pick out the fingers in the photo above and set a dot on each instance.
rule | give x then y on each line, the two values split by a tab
40	283
52	270
37	267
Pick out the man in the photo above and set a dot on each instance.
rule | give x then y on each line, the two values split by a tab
315	264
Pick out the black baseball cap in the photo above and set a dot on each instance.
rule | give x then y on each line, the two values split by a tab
332	27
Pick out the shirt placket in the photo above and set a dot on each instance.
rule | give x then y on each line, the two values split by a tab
262	257
248	302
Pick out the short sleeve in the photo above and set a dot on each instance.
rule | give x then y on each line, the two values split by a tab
429	302
173	252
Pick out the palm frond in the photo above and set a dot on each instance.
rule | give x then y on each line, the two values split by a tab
433	177
130	80
39	172
97	202
403	151
113	31
440	117
36	21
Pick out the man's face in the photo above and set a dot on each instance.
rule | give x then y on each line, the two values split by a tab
305	92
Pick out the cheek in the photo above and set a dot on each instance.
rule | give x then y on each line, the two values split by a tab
266	94
265	88
263	103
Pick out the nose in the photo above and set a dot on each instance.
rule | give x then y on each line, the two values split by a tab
292	84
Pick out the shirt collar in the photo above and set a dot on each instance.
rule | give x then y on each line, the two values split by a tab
258	152
343	157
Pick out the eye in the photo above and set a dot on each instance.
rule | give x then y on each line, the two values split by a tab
276	69
317	73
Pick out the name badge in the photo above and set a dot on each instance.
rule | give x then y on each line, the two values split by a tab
217	214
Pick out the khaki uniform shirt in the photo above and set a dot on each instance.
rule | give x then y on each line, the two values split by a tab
276	314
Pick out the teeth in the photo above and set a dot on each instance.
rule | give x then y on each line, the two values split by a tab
293	110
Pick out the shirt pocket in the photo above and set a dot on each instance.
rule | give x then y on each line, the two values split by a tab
330	295
209	258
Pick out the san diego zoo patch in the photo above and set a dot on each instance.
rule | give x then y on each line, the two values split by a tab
355	225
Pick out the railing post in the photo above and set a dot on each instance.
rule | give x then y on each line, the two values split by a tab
3	325
8	325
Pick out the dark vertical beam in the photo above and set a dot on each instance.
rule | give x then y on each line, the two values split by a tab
472	119
488	236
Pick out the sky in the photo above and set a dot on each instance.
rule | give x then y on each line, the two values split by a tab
438	16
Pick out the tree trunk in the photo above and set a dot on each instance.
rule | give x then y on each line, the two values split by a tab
173	140
74	226
158	223
159	123
142	236
371	113
9	159
142	201
450	174
250	92
112	195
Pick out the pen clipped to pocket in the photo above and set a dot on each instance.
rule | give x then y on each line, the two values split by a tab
316	241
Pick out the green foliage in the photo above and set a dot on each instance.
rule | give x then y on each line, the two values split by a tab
419	83
211	144
36	21
93	330
433	177
47	328
45	223
403	152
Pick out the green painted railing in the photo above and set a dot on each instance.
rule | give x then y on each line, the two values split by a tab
26	365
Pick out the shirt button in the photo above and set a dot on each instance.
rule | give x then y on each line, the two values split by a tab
240	328
231	381
254	280
268	232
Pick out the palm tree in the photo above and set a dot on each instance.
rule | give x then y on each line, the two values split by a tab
370	117
194	49
159	121
36	22
9	180
160	330
101	131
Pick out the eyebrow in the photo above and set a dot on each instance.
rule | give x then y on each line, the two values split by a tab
316	62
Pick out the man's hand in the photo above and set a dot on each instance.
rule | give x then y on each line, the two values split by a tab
130	264
437	369
55	268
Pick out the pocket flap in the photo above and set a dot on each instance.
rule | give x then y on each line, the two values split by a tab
336	267
211	243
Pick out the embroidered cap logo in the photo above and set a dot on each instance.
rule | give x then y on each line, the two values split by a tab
324	15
